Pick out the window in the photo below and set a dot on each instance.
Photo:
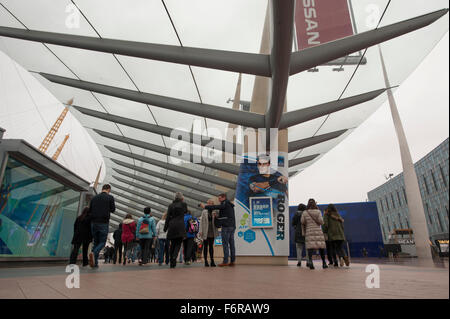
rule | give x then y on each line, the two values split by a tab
400	220
444	180
439	220
381	204
428	212
387	203
393	202
425	184
407	223
398	197
434	180
404	194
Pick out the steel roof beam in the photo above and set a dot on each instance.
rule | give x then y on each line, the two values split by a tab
248	63
175	168
147	197
301	160
158	209
306	142
169	196
173	189
282	29
189	107
224	146
310	113
323	53
229	168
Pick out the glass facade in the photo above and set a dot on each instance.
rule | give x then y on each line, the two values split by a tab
37	213
432	175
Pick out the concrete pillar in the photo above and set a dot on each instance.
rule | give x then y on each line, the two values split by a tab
415	206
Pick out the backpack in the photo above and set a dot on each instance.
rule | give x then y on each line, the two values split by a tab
144	229
192	226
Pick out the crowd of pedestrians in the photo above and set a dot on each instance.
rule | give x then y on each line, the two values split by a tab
177	234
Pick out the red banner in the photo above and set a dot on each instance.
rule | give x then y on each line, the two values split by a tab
321	21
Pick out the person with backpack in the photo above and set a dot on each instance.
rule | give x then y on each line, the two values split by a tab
146	233
299	237
82	236
117	235
311	222
128	235
334	227
191	224
175	226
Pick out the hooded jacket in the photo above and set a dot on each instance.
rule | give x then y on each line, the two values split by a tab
186	224
128	230
226	213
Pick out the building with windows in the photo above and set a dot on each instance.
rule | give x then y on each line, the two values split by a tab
432	175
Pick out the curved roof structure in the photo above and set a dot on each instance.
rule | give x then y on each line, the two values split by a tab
137	70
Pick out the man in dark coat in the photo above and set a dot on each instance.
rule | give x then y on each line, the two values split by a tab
100	209
228	222
299	237
175	227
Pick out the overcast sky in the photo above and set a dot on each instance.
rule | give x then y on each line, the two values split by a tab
359	163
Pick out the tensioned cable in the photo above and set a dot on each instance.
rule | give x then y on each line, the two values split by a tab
190	68
95	97
127	74
351	77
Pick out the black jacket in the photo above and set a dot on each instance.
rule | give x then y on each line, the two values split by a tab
296	222
118	236
82	231
100	208
226	213
175	220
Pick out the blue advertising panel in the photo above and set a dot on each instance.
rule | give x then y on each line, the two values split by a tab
361	227
261	212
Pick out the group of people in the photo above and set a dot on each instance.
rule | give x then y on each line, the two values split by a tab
177	227
314	232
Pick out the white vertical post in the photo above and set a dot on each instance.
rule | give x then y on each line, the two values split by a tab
415	205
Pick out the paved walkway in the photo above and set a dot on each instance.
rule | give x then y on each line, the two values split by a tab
257	282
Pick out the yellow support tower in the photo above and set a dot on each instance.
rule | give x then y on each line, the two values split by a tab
51	134
58	151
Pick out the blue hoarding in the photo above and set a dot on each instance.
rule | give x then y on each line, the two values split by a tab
361	227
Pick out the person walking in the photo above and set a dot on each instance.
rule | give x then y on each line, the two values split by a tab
191	225
162	239
228	223
146	233
334	227
175	227
128	236
82	236
208	232
311	222
118	245
299	237
100	209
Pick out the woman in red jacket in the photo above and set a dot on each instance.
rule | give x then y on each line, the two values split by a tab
128	234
